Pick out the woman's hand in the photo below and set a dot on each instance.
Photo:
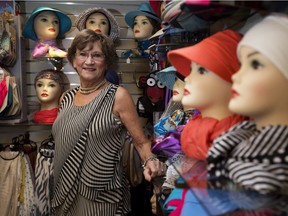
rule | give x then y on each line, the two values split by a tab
154	168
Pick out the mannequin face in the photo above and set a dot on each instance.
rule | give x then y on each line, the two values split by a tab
259	88
46	25
47	90
178	90
142	28
205	91
99	23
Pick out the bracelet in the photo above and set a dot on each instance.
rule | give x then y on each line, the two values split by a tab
153	158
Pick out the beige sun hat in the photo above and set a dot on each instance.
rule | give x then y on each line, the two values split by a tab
114	26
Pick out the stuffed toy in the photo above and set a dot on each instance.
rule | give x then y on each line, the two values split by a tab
153	96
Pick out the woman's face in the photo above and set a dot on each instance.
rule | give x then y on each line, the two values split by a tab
259	88
178	90
48	90
142	28
99	23
46	25
205	91
90	63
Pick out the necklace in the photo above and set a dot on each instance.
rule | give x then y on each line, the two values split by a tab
86	91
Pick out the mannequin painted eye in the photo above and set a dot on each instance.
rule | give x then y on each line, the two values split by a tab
255	64
202	70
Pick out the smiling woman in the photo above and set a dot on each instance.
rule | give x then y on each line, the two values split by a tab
100	113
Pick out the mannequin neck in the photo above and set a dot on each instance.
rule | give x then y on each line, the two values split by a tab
49	106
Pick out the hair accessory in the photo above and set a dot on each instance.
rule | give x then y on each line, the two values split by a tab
167	76
80	21
86	91
64	20
50	74
216	53
269	37
144	9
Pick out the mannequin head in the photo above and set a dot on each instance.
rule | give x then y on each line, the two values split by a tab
143	21
49	87
46	23
207	74
99	23
259	86
143	28
99	20
206	91
178	90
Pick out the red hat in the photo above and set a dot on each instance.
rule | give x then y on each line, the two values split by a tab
155	4
217	53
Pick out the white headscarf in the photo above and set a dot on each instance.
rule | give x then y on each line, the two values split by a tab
270	38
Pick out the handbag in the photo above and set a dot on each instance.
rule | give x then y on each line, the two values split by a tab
132	165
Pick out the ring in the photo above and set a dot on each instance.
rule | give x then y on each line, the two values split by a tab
162	170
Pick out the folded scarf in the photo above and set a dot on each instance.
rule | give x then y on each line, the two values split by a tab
199	133
45	116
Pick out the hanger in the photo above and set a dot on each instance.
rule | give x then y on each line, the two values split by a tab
47	144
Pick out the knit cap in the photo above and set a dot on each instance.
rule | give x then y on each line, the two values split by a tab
269	37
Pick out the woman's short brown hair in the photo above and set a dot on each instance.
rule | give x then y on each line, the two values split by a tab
88	37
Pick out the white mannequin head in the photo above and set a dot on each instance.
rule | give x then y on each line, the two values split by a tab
261	83
259	89
99	23
142	28
46	25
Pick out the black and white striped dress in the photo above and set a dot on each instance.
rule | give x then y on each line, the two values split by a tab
100	186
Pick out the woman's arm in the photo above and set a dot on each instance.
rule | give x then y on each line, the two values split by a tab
124	107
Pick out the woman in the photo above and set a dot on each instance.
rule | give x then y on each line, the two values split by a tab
89	172
44	26
254	154
101	21
49	86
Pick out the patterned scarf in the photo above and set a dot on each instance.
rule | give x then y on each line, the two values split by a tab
251	158
199	133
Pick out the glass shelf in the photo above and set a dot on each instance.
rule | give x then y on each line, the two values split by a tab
223	197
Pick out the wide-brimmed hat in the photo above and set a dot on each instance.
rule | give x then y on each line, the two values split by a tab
64	23
144	9
80	21
167	76
217	53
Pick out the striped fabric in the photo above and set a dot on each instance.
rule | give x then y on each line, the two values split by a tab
88	172
255	159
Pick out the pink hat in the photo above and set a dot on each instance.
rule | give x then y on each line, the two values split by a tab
217	53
